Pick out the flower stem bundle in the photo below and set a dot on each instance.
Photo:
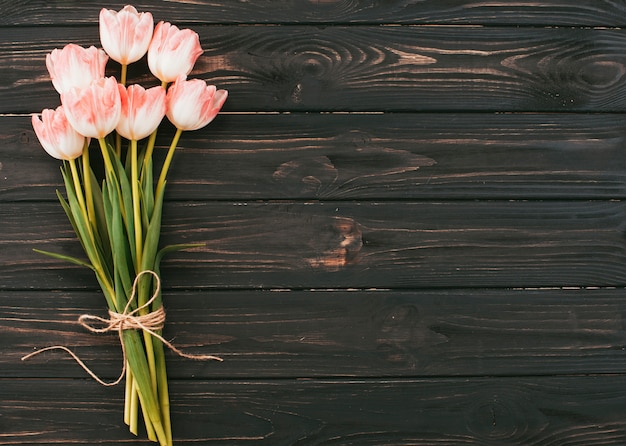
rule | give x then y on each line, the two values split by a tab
117	218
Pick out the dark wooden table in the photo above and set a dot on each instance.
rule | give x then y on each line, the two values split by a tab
413	221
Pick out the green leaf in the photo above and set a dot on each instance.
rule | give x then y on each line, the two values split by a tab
150	247
125	198
152	235
70	259
122	261
173	248
102	232
148	192
81	226
128	160
68	212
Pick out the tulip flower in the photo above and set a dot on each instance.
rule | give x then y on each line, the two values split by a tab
125	35
172	51
192	104
57	136
94	111
75	66
142	111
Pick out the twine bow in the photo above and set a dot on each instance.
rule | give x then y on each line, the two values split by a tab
151	323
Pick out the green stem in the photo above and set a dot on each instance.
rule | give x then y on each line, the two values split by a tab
168	160
150	146
123	74
139	256
138	230
118	137
136	203
105	155
133	423
164	397
128	389
81	199
87	181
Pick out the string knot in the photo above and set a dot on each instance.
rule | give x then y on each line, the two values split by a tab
151	322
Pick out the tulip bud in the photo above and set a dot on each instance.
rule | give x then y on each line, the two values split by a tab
75	66
172	51
142	111
57	136
94	111
193	104
125	35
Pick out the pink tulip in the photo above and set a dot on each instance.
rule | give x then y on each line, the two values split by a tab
94	111
172	51
75	66
125	35
142	111
57	136
193	104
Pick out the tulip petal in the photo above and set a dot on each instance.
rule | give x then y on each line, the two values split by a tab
193	104
172	52
142	111
75	66
57	136
125	35
94	111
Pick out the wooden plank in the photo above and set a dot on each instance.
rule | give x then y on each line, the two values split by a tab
550	12
308	334
373	157
348	245
587	410
376	275
367	68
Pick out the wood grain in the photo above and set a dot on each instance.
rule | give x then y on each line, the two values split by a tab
325	334
454	12
348	245
482	411
413	216
367	157
368	68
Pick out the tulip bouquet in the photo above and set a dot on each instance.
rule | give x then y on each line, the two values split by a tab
117	215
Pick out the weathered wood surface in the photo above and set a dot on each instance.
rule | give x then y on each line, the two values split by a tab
454	12
325	334
346	245
413	221
371	156
367	68
486	411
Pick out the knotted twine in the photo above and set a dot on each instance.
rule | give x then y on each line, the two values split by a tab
127	320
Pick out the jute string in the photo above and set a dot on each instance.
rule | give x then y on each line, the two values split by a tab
127	320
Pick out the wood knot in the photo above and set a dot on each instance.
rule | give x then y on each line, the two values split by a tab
340	246
503	416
